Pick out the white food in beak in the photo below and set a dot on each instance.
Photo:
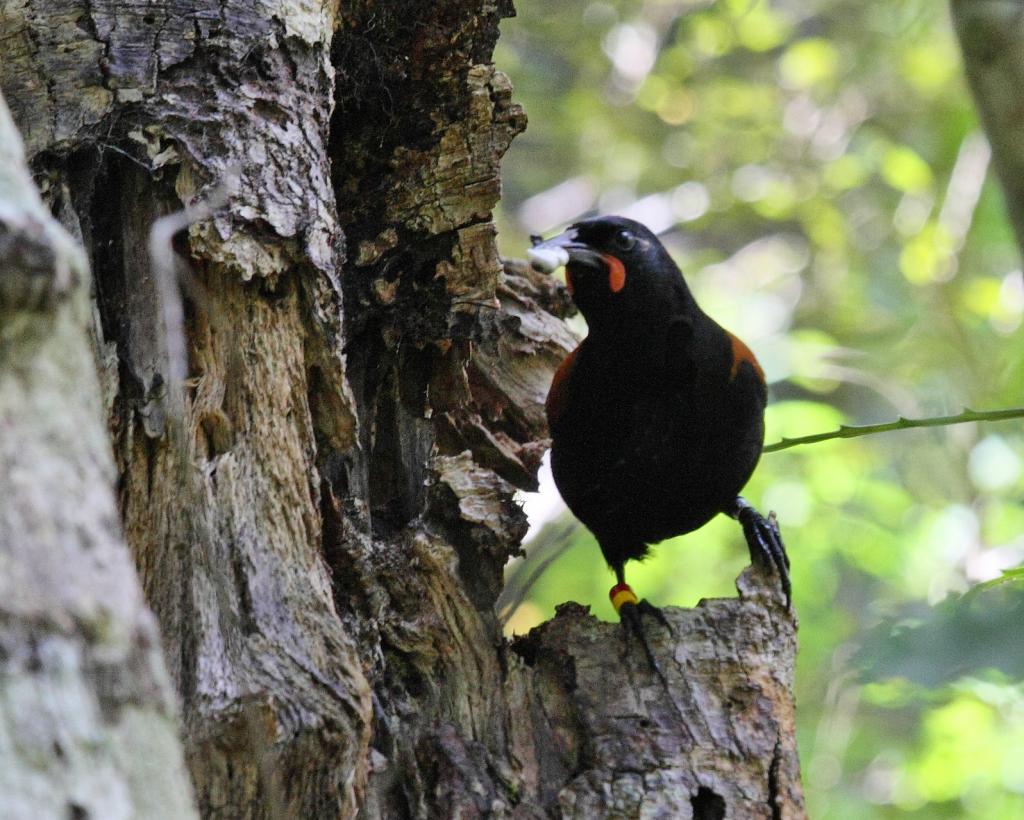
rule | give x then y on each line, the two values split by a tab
547	260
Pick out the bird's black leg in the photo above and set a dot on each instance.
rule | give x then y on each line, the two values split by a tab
764	542
631	614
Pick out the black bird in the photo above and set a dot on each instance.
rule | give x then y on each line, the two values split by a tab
657	418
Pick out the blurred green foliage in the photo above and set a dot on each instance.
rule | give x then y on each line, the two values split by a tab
818	171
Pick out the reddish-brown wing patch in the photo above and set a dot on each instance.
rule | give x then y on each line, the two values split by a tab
741	353
558	395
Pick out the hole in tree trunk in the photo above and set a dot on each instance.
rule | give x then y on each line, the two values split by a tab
707	805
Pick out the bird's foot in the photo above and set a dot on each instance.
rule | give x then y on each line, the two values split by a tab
631	613
764	540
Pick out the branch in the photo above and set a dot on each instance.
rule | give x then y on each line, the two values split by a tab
901	423
549	545
163	259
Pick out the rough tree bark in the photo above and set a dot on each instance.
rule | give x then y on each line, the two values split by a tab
322	540
87	724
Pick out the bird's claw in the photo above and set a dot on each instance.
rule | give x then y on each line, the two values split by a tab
764	540
773	523
631	616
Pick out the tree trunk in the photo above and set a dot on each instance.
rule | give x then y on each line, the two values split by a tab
321	522
87	724
991	34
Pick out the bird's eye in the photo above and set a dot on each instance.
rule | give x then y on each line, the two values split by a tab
624	240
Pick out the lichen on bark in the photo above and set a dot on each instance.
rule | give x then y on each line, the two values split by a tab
87	718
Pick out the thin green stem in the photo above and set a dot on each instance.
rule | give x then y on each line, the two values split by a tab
845	431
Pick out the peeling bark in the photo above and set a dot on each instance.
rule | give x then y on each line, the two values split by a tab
324	545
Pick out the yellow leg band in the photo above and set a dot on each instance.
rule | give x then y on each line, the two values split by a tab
622	594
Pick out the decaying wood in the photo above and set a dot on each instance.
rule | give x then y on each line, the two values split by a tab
87	720
324	548
713	736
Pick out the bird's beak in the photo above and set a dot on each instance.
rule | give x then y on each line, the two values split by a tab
548	256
